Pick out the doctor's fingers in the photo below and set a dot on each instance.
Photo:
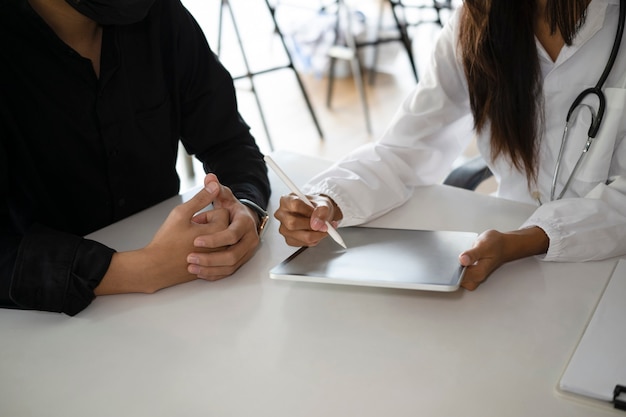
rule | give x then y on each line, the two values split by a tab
301	237
292	204
291	215
479	263
476	274
293	222
321	208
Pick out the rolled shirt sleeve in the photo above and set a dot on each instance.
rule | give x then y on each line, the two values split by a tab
429	131
57	271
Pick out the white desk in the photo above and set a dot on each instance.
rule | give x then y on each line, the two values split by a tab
250	346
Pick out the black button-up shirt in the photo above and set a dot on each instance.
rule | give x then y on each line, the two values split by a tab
78	152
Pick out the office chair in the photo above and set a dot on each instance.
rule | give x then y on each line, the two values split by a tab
470	174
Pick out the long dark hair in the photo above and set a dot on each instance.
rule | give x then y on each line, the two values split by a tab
499	54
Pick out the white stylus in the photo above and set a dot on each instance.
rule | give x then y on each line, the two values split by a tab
331	230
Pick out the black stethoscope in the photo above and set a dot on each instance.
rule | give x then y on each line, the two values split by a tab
596	117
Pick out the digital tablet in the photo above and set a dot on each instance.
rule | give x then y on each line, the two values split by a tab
394	258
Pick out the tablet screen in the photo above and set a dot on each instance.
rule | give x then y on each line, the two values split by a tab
412	259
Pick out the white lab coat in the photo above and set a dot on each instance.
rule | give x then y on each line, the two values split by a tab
434	126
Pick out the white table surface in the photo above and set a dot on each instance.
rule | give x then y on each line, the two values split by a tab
251	346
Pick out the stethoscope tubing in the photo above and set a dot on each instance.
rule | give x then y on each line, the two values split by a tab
597	117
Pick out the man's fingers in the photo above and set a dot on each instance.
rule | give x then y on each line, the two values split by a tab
198	202
215	216
223	196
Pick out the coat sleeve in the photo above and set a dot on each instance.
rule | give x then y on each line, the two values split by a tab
589	223
585	229
430	130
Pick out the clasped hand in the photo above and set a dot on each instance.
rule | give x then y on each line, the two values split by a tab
190	244
228	234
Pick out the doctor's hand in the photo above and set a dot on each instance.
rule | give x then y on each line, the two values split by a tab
221	253
492	249
303	225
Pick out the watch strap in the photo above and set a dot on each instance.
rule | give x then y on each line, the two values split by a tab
260	211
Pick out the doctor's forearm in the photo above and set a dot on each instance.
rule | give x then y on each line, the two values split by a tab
524	242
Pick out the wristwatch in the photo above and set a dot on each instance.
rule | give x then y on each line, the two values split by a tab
263	214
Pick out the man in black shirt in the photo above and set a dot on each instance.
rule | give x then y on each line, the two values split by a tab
94	98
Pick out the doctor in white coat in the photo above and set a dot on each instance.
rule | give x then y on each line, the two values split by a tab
508	73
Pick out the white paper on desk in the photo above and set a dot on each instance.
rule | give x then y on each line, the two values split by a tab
599	362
